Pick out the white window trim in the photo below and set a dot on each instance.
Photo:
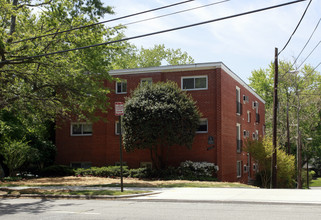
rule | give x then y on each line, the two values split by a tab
80	123
194	77
249	116
121	86
203	132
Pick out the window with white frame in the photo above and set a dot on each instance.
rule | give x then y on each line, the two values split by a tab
146	81
121	87
81	129
238	168
203	126
248	116
194	83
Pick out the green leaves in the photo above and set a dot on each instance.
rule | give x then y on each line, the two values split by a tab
159	115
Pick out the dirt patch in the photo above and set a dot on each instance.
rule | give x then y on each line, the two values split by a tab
83	181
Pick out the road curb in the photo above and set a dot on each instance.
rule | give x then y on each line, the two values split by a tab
49	196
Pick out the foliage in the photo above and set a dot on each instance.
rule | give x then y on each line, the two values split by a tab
57	170
158	116
15	154
261	150
38	136
110	171
304	177
197	169
132	57
63	84
298	94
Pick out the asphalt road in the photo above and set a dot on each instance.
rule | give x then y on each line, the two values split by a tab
140	209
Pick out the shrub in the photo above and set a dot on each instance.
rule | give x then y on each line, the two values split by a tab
196	170
110	171
57	170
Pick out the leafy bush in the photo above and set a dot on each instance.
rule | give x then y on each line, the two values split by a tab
57	170
189	169
110	171
304	177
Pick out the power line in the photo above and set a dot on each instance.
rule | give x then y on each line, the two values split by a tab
307	41
302	49
157	32
309	54
177	12
102	22
296	28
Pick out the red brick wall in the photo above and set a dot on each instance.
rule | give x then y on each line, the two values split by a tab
217	104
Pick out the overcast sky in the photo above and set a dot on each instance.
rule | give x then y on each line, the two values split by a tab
244	43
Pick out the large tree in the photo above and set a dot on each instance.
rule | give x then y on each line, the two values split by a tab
61	84
158	116
132	57
299	104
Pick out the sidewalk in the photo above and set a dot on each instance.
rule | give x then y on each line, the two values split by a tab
235	195
292	196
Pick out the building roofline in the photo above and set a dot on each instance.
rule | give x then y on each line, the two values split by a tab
186	67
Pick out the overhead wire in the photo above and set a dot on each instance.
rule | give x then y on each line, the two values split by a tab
157	32
295	28
316	27
102	22
177	12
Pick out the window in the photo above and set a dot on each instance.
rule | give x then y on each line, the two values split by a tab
117	128
238	101
238	168
148	165
248	116
146	81
246	134
194	83
121	87
203	128
81	129
245	99
84	165
238	138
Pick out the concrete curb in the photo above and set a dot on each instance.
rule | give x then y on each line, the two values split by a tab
49	196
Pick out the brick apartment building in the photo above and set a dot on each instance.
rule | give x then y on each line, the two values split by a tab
231	111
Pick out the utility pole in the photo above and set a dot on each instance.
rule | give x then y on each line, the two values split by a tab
275	109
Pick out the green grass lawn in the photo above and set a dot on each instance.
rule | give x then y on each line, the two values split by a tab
316	182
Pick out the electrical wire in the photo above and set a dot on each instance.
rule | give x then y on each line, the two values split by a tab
157	32
307	41
309	54
177	12
102	22
295	28
302	49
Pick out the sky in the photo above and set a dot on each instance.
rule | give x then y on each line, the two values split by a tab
243	43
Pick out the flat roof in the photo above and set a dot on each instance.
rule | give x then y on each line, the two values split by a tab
186	67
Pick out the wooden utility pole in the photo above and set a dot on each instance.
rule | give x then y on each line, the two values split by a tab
275	109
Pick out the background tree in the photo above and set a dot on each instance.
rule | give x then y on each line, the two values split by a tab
261	150
158	116
132	57
299	102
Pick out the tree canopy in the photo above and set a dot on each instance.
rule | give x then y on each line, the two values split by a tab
158	116
55	84
299	94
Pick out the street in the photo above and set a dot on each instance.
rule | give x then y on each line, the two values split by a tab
141	209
